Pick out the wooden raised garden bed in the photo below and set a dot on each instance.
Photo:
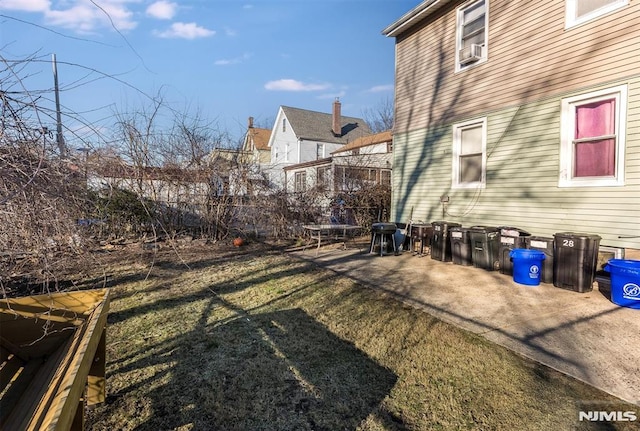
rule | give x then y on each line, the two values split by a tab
52	359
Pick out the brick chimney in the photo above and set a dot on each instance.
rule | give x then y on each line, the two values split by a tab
336	126
250	123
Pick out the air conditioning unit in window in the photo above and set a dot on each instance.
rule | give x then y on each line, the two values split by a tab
470	54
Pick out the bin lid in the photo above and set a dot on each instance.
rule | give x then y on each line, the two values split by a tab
539	238
512	231
525	253
459	228
576	235
624	266
421	224
483	229
542	242
441	222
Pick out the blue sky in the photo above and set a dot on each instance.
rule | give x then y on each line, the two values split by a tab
221	60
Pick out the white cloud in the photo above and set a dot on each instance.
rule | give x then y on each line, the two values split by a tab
81	16
182	30
86	17
227	62
162	9
25	5
380	88
293	85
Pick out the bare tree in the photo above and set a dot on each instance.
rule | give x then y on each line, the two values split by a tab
41	195
380	117
184	172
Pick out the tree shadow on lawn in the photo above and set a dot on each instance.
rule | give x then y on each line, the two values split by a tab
304	377
161	271
241	281
241	368
278	370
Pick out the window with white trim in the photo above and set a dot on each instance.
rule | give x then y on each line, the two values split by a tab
471	35
385	177
580	11
593	138
323	177
300	184
469	154
319	151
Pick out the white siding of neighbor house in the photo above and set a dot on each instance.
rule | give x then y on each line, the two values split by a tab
287	150
369	160
308	150
284	144
284	151
374	149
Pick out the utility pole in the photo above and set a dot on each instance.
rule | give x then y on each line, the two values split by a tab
59	138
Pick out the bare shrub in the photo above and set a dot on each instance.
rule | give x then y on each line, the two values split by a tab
41	194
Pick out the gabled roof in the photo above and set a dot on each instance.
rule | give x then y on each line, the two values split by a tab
316	126
260	137
365	141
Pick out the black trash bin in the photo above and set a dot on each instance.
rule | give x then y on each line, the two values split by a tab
510	238
460	246
421	234
440	243
575	260
484	247
545	245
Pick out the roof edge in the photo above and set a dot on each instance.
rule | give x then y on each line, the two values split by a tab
406	21
317	162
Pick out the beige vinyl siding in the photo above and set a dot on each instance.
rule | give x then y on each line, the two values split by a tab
531	56
523	150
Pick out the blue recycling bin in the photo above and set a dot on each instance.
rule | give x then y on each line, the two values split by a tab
625	282
527	265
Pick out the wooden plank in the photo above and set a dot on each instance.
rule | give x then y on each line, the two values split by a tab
10	370
59	412
81	302
37	385
12	395
31	338
53	397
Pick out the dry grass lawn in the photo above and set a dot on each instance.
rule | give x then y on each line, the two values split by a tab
220	338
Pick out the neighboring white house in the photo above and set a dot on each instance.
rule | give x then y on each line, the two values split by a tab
365	162
300	136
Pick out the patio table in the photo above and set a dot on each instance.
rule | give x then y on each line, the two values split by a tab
330	231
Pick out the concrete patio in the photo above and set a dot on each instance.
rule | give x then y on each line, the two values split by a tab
583	335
